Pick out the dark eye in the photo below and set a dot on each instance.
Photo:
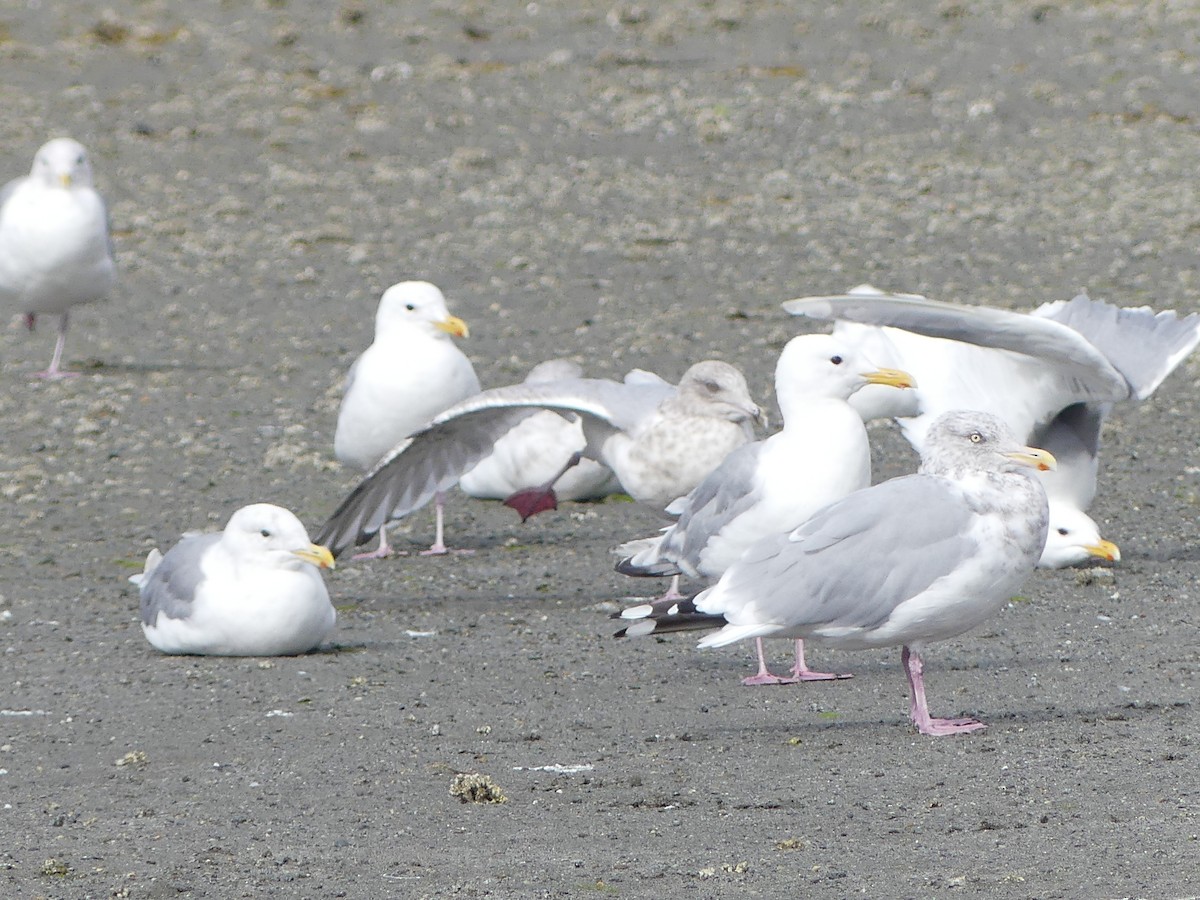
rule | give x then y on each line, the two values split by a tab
410	307
1063	531
79	160
976	437
711	386
836	360
265	533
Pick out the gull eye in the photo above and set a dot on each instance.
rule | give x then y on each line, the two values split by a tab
409	306
976	437
711	386
836	360
265	533
1064	532
79	160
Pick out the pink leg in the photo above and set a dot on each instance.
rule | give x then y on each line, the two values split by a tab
438	547
919	710
383	551
763	675
673	592
802	672
54	372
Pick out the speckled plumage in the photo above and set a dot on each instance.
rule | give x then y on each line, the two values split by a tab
658	445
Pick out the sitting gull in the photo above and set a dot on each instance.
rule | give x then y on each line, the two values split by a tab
1052	375
250	590
410	373
659	440
537	448
912	560
55	252
770	487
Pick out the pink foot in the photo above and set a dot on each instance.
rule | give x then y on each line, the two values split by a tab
766	678
801	671
949	726
532	501
810	675
443	550
763	675
383	552
918	708
55	374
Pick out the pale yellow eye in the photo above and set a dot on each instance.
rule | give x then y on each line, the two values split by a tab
976	437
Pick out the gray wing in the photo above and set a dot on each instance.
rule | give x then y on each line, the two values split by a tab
171	587
1059	345
858	559
1144	346
719	499
429	461
434	458
621	406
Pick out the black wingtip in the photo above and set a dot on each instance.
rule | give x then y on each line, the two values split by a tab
660	569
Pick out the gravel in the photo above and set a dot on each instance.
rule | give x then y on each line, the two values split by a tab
628	185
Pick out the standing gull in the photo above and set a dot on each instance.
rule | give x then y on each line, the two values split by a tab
410	373
250	590
1052	375
909	561
537	448
659	440
769	487
55	252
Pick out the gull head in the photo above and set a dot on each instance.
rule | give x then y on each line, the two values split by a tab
1074	538
970	440
270	535
62	162
420	305
717	389
823	366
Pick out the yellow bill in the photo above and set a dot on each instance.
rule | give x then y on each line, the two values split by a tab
897	378
317	555
1035	458
1105	550
454	325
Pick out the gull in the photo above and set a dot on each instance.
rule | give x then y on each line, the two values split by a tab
660	440
771	486
410	373
538	447
1053	375
253	589
55	252
909	561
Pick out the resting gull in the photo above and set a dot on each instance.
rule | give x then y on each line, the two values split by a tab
55	252
537	448
1052	375
771	486
410	373
250	590
659	440
906	562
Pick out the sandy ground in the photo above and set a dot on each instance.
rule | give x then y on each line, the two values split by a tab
629	185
